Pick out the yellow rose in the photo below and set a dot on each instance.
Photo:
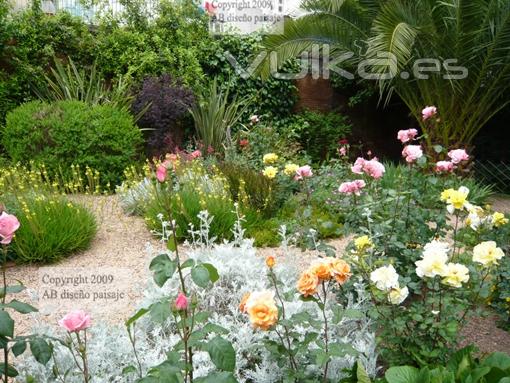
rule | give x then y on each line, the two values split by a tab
307	283
270	158
322	269
498	219
290	169
363	243
270	172
445	194
487	253
456	199
262	310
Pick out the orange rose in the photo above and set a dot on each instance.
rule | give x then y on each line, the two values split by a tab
340	270
262	310
322	269
242	305
270	261
307	283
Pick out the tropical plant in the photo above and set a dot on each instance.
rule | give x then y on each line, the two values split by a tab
215	114
470	36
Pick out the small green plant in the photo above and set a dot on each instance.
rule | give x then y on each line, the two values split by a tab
51	227
462	367
64	133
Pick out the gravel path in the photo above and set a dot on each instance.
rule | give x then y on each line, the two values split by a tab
119	249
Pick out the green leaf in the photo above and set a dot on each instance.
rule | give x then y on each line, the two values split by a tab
23	308
499	360
171	243
19	347
6	324
188	263
163	268
41	350
140	313
403	374
128	370
11	371
213	272
438	148
361	373
222	353
160	311
217	377
12	289
200	276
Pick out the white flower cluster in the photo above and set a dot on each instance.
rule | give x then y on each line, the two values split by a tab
385	278
434	263
241	271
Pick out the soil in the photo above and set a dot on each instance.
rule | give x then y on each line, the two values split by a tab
120	249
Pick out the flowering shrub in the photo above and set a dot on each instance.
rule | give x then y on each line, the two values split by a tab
259	355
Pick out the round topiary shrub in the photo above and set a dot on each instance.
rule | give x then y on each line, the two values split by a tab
63	133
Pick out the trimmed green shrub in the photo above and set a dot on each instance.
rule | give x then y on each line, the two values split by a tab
51	227
71	132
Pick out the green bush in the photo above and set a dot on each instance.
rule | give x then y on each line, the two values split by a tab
71	132
51	227
29	40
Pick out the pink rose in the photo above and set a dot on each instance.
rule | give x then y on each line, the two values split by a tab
161	173
181	303
358	166
75	321
8	225
353	187
195	154
374	168
407	135
444	166
343	151
428	112
303	172
412	153
458	155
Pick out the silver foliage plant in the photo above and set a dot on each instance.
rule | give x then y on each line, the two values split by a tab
241	271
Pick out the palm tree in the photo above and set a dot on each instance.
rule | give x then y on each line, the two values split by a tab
474	32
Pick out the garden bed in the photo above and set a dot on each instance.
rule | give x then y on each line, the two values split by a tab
122	242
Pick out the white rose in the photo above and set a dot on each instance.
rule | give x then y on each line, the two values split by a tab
456	274
487	253
385	278
398	295
432	264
